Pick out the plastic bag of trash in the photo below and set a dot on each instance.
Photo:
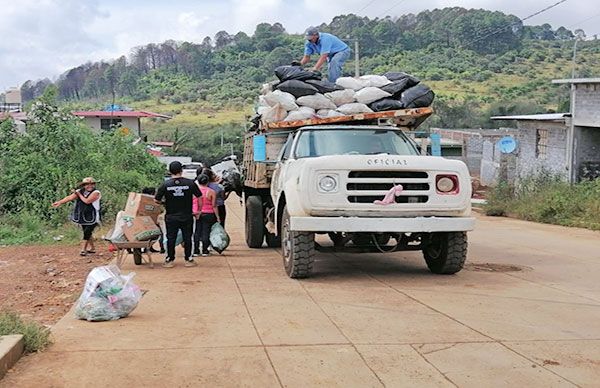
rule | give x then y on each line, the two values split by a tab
302	113
326	113
232	181
400	75
178	239
354	108
351	83
297	88
107	295
385	104
316	101
417	97
219	239
341	97
397	87
370	94
376	81
286	100
324	86
117	234
273	114
286	73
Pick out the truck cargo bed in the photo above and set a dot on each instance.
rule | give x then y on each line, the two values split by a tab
410	118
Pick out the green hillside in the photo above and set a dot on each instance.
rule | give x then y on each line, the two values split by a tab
478	62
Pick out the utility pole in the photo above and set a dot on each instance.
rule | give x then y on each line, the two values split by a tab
356	56
356	59
579	35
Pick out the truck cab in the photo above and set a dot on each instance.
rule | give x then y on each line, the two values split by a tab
368	189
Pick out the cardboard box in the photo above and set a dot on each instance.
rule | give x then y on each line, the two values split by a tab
139	205
141	229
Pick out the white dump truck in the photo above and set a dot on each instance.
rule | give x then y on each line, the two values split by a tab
362	181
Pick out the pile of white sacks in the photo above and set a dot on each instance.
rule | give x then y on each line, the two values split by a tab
294	99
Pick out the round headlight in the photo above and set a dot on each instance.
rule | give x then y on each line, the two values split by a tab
327	184
445	185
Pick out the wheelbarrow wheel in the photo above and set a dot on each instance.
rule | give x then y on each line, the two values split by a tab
137	256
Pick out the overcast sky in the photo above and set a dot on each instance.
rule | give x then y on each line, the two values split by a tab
43	38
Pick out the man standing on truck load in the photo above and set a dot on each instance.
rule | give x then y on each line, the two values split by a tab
330	48
178	192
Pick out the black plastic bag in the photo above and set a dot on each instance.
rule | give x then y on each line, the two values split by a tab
286	73
324	86
397	87
385	104
232	181
417	97
297	88
400	75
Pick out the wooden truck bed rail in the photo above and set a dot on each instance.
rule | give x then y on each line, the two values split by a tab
404	117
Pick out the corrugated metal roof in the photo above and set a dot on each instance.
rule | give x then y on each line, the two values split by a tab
101	113
538	117
577	81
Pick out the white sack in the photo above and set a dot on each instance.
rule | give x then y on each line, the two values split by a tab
262	101
354	108
307	110
351	83
286	100
341	97
370	94
325	113
375	80
296	115
273	114
316	101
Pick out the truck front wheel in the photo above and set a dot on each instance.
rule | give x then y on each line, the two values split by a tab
298	250
445	253
255	225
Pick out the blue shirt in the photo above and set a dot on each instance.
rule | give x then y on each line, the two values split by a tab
327	44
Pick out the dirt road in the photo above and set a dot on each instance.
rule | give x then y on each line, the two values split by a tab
525	312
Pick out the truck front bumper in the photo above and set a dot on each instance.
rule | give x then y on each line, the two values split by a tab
370	224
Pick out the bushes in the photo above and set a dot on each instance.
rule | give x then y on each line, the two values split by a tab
57	151
545	198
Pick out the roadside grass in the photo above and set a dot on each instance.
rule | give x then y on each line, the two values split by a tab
35	336
548	200
24	228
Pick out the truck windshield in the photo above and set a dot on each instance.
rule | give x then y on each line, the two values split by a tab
323	142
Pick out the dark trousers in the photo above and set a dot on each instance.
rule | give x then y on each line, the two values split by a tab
87	231
197	236
207	220
222	214
173	226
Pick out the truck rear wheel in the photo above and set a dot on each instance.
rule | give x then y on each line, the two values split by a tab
255	225
298	250
445	253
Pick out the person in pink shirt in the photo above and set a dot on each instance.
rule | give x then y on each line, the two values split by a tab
206	212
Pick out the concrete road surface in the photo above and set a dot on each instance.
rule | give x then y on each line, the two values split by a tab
524	313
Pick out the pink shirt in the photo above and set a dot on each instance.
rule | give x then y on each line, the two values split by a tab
207	206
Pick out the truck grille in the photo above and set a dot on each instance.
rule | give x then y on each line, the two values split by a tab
369	186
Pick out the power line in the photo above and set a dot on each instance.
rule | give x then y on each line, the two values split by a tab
391	8
514	24
366	6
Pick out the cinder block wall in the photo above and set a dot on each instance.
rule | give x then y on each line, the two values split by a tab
555	162
587	105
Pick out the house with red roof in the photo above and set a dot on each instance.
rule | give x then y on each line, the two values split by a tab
128	121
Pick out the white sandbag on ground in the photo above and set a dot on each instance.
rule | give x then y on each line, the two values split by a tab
376	81
286	100
370	94
326	113
354	108
316	101
351	83
273	114
341	97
